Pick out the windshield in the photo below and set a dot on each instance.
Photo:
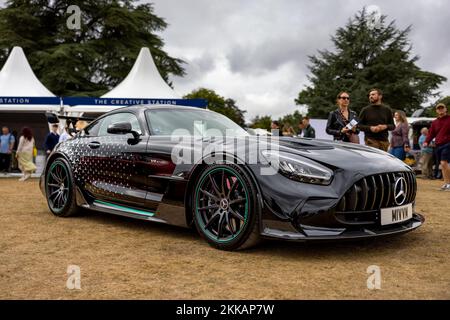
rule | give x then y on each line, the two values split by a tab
191	122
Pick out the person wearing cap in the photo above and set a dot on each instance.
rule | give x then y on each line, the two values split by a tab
52	139
440	131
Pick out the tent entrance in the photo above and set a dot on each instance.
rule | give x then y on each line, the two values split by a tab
36	121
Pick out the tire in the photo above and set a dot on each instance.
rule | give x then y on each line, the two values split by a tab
225	206
60	189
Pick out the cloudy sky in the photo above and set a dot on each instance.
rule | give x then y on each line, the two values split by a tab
256	51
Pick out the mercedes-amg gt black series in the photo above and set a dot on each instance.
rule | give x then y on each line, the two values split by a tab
168	164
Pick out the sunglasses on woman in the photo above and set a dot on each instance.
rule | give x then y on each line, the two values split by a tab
344	98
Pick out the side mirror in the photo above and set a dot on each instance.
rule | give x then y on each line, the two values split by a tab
119	128
122	128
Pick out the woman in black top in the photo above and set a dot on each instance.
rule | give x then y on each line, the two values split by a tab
339	118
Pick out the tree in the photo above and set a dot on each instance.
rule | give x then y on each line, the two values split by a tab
289	120
262	122
430	111
446	101
217	103
367	56
93	58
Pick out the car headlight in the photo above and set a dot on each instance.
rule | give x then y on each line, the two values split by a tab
297	169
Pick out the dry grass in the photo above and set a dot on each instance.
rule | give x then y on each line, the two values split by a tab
122	258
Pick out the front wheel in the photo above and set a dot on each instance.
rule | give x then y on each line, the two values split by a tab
59	188
226	210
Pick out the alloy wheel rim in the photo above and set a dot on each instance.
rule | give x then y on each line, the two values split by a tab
57	187
222	204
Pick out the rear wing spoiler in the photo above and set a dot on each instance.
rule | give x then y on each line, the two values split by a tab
54	118
73	124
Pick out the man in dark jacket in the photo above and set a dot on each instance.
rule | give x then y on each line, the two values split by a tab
376	120
308	131
52	139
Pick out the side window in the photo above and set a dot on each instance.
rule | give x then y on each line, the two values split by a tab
92	129
119	117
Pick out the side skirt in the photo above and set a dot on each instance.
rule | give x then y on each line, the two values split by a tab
112	208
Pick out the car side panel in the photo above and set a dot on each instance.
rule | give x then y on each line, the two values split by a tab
111	171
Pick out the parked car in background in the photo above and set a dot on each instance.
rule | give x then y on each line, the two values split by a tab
415	125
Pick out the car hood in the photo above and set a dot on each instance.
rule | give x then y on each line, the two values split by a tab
343	155
347	156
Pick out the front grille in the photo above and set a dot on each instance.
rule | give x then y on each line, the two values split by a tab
362	202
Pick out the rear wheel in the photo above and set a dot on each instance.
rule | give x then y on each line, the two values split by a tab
226	210
60	191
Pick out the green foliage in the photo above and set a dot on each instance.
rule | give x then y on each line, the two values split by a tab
290	120
367	57
446	101
93	59
262	122
430	112
217	103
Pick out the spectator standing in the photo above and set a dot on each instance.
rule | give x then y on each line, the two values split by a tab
375	120
426	155
7	141
65	135
275	126
436	172
25	154
339	118
80	125
288	131
14	164
399	139
308	131
440	130
52	139
300	129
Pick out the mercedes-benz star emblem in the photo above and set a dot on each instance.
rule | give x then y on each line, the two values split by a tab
400	190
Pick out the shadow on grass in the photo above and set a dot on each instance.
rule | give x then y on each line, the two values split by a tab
287	249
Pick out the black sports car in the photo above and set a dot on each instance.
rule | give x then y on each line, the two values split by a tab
168	164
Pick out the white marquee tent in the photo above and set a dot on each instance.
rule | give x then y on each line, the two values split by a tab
143	81
20	90
17	79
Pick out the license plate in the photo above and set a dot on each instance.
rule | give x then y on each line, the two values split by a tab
396	214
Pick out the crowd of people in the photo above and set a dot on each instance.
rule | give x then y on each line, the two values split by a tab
305	130
376	120
17	153
20	153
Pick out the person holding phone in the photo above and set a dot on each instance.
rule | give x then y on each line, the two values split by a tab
342	122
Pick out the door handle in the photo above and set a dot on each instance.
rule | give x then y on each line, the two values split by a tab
94	144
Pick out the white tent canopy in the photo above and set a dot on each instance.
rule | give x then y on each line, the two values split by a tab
143	81
17	79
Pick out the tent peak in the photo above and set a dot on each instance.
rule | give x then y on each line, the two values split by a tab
18	79
143	81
